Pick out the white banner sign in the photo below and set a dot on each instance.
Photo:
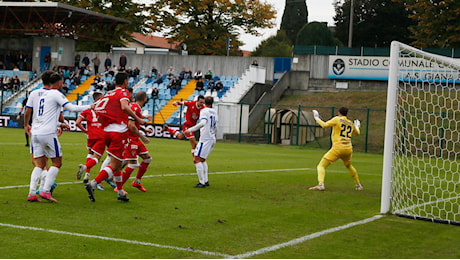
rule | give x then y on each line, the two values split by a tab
358	67
376	68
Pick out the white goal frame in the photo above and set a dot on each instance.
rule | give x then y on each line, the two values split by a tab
394	86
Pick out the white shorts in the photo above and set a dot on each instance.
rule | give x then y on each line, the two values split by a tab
204	148
45	145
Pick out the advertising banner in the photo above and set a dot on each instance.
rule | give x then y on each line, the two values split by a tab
10	121
376	68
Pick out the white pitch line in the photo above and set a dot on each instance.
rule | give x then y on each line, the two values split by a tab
172	175
118	240
194	173
305	238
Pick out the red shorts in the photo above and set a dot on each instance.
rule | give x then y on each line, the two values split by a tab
134	148
116	143
190	135
96	145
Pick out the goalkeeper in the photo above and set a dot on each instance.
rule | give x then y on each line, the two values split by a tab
342	130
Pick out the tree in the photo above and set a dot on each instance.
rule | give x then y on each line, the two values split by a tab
316	33
204	25
295	16
126	9
278	45
375	22
437	23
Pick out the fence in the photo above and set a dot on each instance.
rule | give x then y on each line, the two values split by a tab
365	51
294	125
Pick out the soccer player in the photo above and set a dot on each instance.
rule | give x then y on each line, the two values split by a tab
23	108
135	147
208	129
95	143
46	104
113	111
191	117
342	130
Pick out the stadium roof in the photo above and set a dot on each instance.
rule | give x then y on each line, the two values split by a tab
154	41
56	19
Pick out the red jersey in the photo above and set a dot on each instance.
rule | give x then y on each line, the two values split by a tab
108	108
93	126
193	113
138	111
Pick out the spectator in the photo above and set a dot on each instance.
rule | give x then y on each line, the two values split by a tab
172	84
88	72
211	85
21	60
170	73
199	85
101	85
81	71
178	83
110	86
96	62
154	72
107	63
65	88
182	73
208	74
155	93
198	75
29	62
77	60
112	70
189	74
219	86
15	82
254	63
159	79
46	61
71	75
77	79
34	73
85	61
136	72
130	72
6	83
123	61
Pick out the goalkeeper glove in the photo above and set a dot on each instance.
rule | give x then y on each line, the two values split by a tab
357	123
315	115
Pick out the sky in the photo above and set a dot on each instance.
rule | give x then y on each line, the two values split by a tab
318	10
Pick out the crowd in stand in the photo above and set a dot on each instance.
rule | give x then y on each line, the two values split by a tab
20	60
204	81
105	72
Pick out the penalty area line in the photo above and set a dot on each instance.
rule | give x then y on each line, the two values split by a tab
307	237
135	242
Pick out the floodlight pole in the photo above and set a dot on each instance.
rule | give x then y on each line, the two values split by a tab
350	27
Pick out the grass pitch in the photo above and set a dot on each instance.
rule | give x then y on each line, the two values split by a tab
258	198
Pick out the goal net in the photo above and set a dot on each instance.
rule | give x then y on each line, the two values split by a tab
421	172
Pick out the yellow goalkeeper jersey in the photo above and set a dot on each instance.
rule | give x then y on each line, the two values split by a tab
342	130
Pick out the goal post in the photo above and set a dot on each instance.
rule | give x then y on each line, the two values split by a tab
421	162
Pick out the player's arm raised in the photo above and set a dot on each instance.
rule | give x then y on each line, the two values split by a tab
178	103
